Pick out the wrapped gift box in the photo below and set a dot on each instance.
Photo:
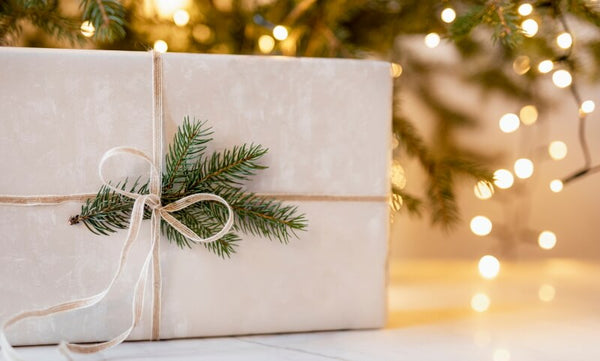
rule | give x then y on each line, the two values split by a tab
327	125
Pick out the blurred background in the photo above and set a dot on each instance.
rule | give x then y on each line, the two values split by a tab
496	141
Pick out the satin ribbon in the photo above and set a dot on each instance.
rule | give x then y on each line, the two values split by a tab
152	200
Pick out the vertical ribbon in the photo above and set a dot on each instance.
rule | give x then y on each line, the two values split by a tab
141	201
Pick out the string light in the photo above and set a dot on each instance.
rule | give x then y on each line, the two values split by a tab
396	70
181	17
483	190
481	225
266	44
523	168
522	64
547	240
588	106
480	302
529	27
556	185
87	29
161	46
562	78
564	40
525	9
557	150
280	32
546	293
489	267
501	354
509	123
448	15
528	114
432	40
398	176
545	66
503	179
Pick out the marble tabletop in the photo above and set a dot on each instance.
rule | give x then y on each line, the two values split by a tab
438	310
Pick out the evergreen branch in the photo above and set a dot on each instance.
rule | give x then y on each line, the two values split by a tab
107	16
229	167
188	143
255	215
109	210
444	209
220	174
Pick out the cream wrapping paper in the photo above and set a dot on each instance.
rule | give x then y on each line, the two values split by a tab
327	124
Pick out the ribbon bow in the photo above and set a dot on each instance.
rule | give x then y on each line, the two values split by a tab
152	200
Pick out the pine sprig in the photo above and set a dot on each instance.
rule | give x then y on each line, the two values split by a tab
188	144
109	211
189	171
227	168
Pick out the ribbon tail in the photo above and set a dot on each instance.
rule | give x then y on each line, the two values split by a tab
156	277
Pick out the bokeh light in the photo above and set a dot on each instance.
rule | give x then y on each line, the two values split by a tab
556	185
503	179
545	66
280	32
557	150
448	15
564	40
483	190
562	78
509	123
546	293
432	40
489	266
481	225
161	46
266	43
588	106
87	29
480	302
528	114
547	240
525	9
523	168
529	27
181	17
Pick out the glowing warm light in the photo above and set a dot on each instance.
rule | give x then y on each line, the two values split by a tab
181	17
525	9
523	168
503	179
557	150
480	302
202	33
166	8
160	46
546	293
396	70
522	64
280	32
562	78
481	225
489	267
448	15
547	240
556	185
87	29
398	176
509	122
545	66
588	106
529	27
483	190
564	40
266	44
502	354
432	40
528	114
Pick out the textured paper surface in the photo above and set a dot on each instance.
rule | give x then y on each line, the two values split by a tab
327	125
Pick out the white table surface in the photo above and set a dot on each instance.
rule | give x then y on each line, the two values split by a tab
430	318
